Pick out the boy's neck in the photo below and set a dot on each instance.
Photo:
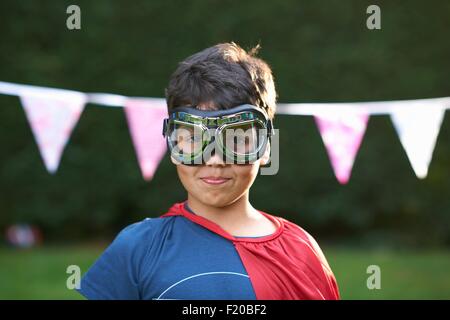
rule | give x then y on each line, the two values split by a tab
238	218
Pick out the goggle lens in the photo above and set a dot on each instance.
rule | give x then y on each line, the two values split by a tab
242	139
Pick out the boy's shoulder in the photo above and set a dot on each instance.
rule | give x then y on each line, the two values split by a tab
307	239
141	232
288	225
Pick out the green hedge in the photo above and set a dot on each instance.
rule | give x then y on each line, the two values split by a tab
319	52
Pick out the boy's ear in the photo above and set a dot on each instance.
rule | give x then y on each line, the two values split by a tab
265	159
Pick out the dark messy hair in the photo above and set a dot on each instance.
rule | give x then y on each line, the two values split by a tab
222	77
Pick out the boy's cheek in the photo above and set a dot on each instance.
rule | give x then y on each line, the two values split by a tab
185	172
247	169
246	174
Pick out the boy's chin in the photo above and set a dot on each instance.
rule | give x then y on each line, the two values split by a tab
217	202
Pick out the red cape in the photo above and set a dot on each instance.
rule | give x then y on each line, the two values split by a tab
286	265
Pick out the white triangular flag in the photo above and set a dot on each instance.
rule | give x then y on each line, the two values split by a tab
52	119
418	128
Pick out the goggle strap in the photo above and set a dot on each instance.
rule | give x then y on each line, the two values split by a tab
270	127
165	124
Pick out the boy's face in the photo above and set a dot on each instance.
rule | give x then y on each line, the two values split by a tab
216	183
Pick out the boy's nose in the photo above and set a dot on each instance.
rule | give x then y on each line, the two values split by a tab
214	159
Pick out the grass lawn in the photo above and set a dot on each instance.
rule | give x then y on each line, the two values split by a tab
41	273
404	274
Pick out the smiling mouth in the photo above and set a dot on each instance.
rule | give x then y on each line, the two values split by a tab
215	180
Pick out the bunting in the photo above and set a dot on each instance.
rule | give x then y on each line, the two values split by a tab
342	134
145	120
53	114
52	119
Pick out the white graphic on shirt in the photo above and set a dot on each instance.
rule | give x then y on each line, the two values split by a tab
199	275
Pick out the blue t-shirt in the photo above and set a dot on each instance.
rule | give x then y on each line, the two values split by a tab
181	255
168	258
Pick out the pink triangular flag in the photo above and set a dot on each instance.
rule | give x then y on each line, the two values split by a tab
52	119
342	133
145	121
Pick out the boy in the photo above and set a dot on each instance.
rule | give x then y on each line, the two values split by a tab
215	245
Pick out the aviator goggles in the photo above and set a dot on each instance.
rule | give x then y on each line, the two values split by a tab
239	135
